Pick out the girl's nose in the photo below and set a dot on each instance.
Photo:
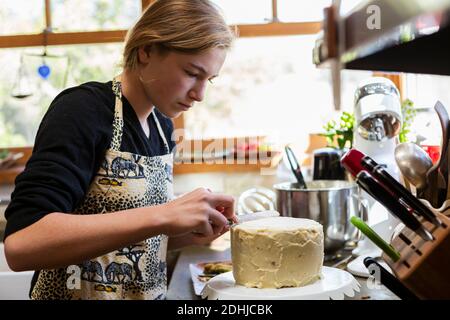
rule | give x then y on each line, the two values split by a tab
198	92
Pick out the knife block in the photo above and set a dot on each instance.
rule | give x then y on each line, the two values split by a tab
424	266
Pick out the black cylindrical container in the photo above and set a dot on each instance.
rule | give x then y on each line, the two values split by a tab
327	164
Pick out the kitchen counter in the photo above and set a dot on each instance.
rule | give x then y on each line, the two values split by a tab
181	288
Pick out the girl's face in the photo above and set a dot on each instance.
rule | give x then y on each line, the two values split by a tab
174	81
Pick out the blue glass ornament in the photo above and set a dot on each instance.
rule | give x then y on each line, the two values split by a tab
44	71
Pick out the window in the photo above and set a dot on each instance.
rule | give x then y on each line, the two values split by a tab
424	90
294	10
93	15
246	12
69	65
24	94
270	85
21	17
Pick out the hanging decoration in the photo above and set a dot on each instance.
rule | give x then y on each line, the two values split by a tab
44	70
22	86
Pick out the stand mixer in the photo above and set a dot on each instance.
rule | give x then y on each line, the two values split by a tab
378	121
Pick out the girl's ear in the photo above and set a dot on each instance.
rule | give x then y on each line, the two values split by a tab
144	54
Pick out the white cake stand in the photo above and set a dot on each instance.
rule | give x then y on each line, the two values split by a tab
334	284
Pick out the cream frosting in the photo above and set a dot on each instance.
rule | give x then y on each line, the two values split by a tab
277	252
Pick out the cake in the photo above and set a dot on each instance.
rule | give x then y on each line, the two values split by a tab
277	252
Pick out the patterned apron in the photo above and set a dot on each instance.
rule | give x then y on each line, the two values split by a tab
124	181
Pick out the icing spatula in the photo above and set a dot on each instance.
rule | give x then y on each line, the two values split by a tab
254	216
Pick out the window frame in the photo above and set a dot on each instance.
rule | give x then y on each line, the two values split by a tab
273	28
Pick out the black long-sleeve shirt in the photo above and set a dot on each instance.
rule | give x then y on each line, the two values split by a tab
69	148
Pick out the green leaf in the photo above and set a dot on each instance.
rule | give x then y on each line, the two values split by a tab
340	136
409	113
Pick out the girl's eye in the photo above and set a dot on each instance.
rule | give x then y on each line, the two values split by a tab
190	74
195	75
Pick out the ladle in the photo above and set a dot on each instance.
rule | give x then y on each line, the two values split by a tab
413	163
295	168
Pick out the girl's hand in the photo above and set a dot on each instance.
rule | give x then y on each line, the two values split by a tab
202	212
195	239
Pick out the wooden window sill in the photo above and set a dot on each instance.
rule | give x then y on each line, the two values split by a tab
239	165
9	175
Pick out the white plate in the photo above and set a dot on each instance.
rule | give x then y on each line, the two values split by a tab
198	285
357	267
334	284
196	270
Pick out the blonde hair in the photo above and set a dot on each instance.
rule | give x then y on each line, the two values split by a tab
188	26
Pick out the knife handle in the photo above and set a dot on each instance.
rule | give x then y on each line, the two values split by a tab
398	190
389	281
378	191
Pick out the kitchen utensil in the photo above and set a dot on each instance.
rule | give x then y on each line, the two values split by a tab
327	164
329	202
355	161
448	187
443	159
256	199
424	265
249	217
295	168
437	175
376	239
379	193
398	191
378	121
254	216
413	163
388	280
22	87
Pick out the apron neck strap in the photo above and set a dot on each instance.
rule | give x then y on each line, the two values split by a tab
118	118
